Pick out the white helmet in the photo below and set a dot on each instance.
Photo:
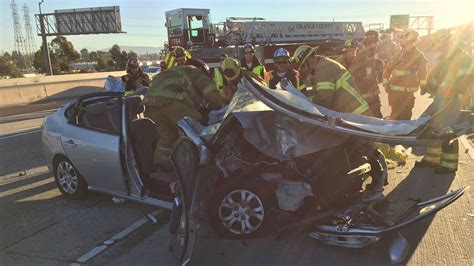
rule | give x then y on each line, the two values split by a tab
281	52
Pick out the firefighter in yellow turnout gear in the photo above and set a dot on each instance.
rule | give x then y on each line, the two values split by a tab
182	91
451	79
366	74
332	85
233	72
350	52
218	78
404	73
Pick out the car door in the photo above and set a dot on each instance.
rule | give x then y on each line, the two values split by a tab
184	220
92	141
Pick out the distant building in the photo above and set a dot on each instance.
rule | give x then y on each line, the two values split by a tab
85	66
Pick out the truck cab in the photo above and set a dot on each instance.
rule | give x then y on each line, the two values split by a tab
189	27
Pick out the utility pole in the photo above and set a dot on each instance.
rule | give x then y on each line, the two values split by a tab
46	57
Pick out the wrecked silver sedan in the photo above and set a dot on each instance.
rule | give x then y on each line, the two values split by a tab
278	162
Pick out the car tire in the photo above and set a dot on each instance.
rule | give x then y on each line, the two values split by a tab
68	180
232	217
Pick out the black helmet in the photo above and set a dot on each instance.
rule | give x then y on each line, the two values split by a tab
179	52
133	63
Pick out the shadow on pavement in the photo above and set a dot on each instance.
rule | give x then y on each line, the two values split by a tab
21	157
24	182
423	184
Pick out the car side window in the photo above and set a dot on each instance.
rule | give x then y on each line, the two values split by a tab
103	115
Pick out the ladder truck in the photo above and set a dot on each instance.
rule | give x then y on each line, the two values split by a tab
192	28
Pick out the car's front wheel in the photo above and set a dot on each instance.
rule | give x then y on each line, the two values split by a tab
241	210
68	180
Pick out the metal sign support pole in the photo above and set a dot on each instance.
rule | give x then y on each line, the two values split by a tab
46	56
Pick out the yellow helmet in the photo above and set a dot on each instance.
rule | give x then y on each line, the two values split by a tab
302	53
440	37
349	44
230	67
409	35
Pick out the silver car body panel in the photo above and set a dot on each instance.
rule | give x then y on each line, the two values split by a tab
137	198
51	135
96	155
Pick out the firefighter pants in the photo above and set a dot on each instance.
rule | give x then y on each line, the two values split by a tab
375	105
402	104
444	155
165	117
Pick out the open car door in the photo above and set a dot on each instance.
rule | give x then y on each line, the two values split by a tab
184	221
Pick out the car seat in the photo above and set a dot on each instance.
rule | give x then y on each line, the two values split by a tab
143	136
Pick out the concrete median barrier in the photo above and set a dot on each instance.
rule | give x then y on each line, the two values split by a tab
41	88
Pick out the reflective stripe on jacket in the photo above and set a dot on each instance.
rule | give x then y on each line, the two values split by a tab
169	60
218	79
406	70
333	87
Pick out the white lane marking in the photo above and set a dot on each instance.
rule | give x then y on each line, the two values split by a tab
468	146
92	253
128	230
114	239
22	133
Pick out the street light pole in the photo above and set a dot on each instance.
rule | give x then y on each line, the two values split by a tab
46	56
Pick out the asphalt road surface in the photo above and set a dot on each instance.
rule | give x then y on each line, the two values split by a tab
40	227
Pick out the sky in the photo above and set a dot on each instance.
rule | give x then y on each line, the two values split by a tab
144	20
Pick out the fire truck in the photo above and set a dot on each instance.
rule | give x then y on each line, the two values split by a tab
192	28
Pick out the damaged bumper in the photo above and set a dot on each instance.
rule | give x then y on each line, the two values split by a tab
346	235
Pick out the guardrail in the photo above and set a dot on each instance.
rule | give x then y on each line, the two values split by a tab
28	90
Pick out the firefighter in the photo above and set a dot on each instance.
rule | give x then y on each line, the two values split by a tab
403	75
182	91
218	79
163	66
365	73
251	63
350	51
183	58
450	81
386	47
332	85
233	72
281	58
135	77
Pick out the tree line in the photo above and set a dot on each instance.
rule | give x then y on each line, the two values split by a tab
63	55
